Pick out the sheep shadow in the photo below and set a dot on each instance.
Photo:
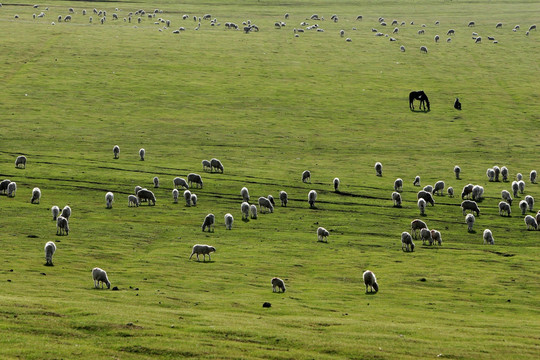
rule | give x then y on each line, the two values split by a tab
420	111
471	231
371	293
203	261
246	220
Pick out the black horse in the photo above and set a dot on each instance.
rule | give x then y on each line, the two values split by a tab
419	95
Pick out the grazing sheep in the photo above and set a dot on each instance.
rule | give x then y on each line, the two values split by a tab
193	199
206	165
55	210
504	173
426	196
4	185
504	207
265	203
406	242
469	219
134	200
312	196
470	205
66	212
471	24
178	181
370	281
195	178
156	181
490	173
11	189
284	198
531	222
499	25
425	235
278	285
416	226
438	188
142	152
228	221
336	184
396	197
175	194
36	196
428	188
532	176
477	192
306	176
416	181
253	211
271	198
245	210
50	249
538	217
451	32
437	38
488	237
506	196
245	194
423	49
478	40
216	165
457	171
457	103
109	198
378	168
530	202
519	177
402	48
422	206
145	194
515	188
421	32
523	206
467	190
322	234
497	173
137	188
62	226
187	197
99	275
398	185
436	237
532	27
203	250
209	222
450	191
20	160
116	151
521	185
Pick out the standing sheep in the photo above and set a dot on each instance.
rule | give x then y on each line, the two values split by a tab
519	177
253	211
145	194
370	281
428	188
416	181
229	221
422	194
11	189
66	212
187	197
538	217
469	219
506	196
62	226
265	203
416	226
133	201
20	160
216	165
477	192
55	210
206	165
531	222
398	185
336	184
438	188
497	173
504	207
271	198
175	194
245	210
4	185
532	176
178	181
36	195
99	275
436	237
467	190
488	237
193	199
504	173
137	188
450	191
515	188
278	285
142	152
116	151
209	222
203	250
306	176
284	198
406	242
156	182
109	198
312	196
194	178
425	235
245	194
322	234
396	197
530	202
470	205
521	185
490	173
50	249
523	206
422	206
378	168
457	171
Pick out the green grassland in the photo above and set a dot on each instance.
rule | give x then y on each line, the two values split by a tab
268	105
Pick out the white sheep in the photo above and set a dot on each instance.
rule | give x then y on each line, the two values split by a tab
504	207
306	176
406	242
515	188
265	203
322	234
336	183
193	199
20	160
425	235
142	152
284	197
66	212
488	237
178	181
532	176
450	191
175	194
416	226
109	198
245	210
467	190
62	226
187	197
217	165
428	188
55	210
253	211
209	222
521	185
436	237
457	171
245	194
378	168
370	281
36	196
523	206
206	165
504	173
396	197
116	151
506	196
398	185
278	285
312	196
133	201
422	206
438	188
519	176
470	205
11	189
469	219
530	202
137	188
271	198
156	181
531	222
100	275
203	250
50	249
229	221
490	173
497	173
416	181
477	192
194	178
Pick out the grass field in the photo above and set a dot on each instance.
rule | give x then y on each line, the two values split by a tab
268	105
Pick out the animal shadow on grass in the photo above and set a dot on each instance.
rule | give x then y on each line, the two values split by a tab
472	231
371	293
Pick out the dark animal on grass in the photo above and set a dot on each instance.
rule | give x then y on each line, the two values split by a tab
422	97
457	104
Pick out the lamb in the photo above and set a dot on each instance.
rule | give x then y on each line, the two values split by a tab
134	200
245	194
203	250
306	176
416	181
109	198
426	196
523	206
253	211
531	222
20	160
519	176
322	234
156	182
467	190
532	176
370	281
229	221
470	205
284	197
469	219
530	202
425	235
378	168
4	185
312	196
422	206
271	198
398	185
450	191
406	242
100	275
428	188
66	212
245	210
457	171
436	237
36	195
142	152
504	173
50	249
195	178
521	185
116	151
206	165
265	203
278	285
488	237
62	226
217	165
193	199
515	188
209	222
477	192
11	189
396	197
336	184
178	181
145	194
438	188
497	173
175	194
55	210
490	173
504	207
416	226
